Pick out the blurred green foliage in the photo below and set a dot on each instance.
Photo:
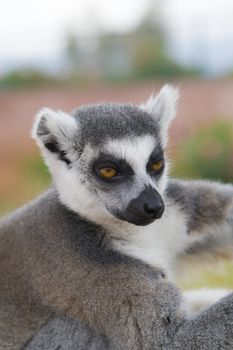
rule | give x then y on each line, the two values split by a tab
35	170
33	177
208	154
219	277
27	78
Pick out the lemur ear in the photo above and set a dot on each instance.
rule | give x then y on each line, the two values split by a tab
55	133
163	108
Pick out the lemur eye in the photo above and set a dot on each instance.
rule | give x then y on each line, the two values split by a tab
108	172
156	166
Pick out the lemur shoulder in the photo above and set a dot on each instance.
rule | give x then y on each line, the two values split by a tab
99	249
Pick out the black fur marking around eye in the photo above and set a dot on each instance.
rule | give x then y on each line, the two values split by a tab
156	156
123	169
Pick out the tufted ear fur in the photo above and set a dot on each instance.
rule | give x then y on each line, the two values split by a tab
55	133
163	108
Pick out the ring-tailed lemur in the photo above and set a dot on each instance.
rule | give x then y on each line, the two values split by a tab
101	246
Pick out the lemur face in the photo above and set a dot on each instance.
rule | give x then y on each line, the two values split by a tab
127	175
108	161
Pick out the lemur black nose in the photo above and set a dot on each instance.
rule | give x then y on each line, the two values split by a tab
147	207
154	211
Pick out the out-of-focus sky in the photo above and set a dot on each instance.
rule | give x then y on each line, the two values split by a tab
33	32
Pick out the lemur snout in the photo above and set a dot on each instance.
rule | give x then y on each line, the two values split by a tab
155	212
146	208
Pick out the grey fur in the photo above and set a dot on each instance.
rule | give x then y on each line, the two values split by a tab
67	334
98	123
204	202
211	329
208	207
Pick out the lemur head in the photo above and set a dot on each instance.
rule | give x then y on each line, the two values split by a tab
107	160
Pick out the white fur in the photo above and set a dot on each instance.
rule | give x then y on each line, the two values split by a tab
163	108
158	243
135	150
72	192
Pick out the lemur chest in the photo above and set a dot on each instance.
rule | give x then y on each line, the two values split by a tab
157	244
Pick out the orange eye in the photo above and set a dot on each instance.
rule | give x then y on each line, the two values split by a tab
108	172
156	165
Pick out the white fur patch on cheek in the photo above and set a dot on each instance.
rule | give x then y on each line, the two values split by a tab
54	165
76	195
73	189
